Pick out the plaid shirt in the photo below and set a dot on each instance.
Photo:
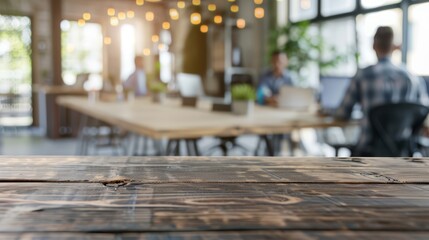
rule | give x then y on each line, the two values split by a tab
375	85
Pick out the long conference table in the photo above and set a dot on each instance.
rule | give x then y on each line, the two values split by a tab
213	198
170	120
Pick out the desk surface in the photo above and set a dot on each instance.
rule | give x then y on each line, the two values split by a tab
214	198
62	89
170	120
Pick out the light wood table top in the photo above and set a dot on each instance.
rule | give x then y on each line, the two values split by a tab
213	198
171	120
62	89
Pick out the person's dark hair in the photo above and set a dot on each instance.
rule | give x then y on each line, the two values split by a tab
277	53
383	38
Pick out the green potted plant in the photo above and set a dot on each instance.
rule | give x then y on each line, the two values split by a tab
243	99
305	48
158	90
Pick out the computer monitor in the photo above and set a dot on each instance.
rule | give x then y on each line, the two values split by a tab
332	91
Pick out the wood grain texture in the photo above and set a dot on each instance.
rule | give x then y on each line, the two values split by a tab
217	170
248	235
155	120
213	198
211	207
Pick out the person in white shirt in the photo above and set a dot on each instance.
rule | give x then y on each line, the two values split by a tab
137	80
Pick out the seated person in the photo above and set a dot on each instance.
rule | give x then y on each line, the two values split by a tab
137	80
271	81
378	84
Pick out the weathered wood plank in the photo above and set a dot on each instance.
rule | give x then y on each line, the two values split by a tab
93	207
250	235
205	169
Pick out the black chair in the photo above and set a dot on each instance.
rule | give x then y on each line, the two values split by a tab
226	144
396	128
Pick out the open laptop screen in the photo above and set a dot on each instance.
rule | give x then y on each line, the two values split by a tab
333	90
190	85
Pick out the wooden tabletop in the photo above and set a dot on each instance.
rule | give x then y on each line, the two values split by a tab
213	198
170	120
62	89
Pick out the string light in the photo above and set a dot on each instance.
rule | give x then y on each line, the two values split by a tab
241	23
146	52
107	41
114	21
86	16
259	2
131	14
111	12
195	18
139	2
122	16
161	47
196	2
150	16
259	12
305	4
204	28
155	38
81	22
235	8
212	7
181	4
218	19
174	14
166	25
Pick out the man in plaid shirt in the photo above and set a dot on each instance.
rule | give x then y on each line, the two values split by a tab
379	84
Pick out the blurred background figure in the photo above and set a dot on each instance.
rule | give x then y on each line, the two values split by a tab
137	81
378	84
272	80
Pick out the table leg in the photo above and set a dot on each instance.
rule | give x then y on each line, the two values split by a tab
224	149
145	146
258	145
158	148
177	150
170	147
136	141
269	145
189	147
196	149
80	140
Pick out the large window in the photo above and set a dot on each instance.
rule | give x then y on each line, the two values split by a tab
340	40
303	9
15	71
367	26
377	3
82	51
128	50
418	49
333	7
349	25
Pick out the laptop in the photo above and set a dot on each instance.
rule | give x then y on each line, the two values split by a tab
296	98
332	91
190	85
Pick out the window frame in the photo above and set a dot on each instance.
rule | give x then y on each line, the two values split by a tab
404	5
102	28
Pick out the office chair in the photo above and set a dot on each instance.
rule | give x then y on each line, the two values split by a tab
226	143
396	128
